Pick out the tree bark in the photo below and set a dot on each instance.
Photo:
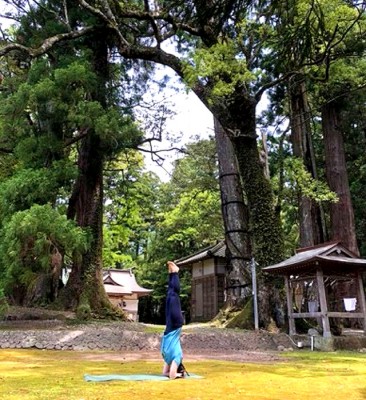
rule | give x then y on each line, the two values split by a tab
239	121
311	221
342	224
237	116
236	220
85	286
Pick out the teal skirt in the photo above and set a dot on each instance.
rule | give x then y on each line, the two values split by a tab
171	349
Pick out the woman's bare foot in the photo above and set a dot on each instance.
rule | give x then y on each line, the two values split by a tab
172	267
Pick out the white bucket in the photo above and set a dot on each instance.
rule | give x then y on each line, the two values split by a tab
350	303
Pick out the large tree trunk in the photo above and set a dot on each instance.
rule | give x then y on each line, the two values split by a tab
236	220
311	220
238	119
264	220
85	289
85	286
342	225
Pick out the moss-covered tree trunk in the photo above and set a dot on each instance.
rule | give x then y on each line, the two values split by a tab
236	221
237	116
85	290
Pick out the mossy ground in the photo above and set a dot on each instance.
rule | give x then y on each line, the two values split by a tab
38	375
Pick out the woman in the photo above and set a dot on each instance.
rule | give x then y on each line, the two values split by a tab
171	348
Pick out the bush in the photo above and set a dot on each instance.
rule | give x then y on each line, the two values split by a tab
4	306
83	312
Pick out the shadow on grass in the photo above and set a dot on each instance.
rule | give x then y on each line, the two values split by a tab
362	393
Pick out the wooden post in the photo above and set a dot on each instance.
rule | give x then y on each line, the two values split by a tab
255	295
290	307
361	295
323	303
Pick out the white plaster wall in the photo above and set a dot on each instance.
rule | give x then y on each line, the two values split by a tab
208	267
131	305
197	270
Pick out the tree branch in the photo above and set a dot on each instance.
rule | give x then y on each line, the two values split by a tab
268	85
75	139
46	45
6	151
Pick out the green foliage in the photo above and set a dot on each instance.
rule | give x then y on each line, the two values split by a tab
214	63
301	180
194	220
190	208
295	181
83	311
353	126
29	186
47	94
28	240
130	209
290	226
55	101
4	306
198	169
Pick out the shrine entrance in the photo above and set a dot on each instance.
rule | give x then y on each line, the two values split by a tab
324	282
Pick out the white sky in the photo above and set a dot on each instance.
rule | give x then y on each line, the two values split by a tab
192	119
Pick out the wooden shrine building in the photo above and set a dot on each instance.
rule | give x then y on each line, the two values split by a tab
208	268
123	290
323	282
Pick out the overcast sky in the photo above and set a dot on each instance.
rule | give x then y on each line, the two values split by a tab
191	119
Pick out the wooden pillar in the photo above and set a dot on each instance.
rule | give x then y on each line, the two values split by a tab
361	299
323	303
290	307
216	295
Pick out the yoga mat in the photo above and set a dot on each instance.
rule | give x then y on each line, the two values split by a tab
136	377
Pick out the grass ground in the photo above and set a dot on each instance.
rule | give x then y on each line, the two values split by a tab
38	375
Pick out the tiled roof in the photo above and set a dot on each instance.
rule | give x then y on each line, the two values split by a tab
116	289
216	250
326	254
122	281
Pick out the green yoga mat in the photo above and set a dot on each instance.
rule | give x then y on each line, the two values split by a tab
137	377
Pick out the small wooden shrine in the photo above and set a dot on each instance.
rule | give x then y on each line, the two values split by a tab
208	268
123	290
323	282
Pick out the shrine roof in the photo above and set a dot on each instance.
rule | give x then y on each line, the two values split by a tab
330	256
216	250
123	281
116	289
